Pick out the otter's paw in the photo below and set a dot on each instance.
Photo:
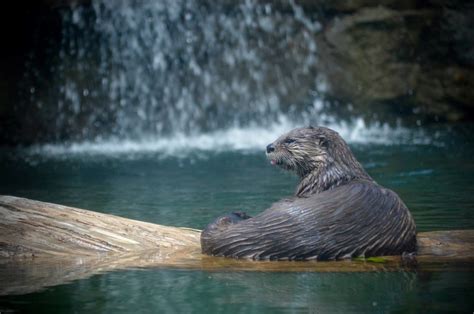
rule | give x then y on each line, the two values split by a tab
232	218
409	259
223	221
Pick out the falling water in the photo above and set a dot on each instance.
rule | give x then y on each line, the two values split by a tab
195	74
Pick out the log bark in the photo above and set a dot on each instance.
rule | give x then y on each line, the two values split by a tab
67	243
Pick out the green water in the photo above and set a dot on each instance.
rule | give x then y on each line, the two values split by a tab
165	291
435	181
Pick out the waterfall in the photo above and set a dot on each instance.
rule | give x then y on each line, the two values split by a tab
198	73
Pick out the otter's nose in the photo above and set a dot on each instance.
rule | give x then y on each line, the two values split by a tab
270	148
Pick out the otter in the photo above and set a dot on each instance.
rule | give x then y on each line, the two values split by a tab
338	211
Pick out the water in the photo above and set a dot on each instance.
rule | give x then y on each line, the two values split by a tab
191	187
168	291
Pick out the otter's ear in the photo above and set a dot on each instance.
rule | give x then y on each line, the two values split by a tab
323	141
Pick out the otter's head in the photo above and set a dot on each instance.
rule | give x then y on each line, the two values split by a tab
318	155
301	150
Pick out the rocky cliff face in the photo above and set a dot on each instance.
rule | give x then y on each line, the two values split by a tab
403	56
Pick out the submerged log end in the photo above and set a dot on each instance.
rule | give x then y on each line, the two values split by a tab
449	243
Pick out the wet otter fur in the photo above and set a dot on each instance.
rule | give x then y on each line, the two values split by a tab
338	211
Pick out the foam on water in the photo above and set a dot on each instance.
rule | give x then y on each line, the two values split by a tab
252	138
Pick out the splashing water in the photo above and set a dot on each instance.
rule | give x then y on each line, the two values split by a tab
236	138
183	75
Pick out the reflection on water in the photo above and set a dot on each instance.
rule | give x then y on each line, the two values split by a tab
170	291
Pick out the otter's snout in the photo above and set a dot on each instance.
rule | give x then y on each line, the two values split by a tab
270	148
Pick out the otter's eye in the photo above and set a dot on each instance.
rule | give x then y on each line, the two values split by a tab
289	140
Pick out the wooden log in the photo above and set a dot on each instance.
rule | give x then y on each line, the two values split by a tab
38	238
32	228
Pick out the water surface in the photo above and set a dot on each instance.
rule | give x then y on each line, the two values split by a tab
190	188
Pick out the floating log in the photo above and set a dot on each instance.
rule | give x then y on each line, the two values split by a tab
51	244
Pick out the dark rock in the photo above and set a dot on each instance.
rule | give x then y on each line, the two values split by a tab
359	55
446	91
344	6
377	55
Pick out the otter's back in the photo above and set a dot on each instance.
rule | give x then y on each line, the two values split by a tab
359	218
